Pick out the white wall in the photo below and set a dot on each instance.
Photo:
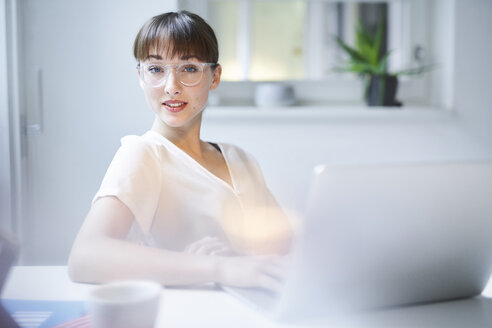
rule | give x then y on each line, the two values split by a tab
289	146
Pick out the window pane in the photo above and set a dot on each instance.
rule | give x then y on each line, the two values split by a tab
224	18
277	40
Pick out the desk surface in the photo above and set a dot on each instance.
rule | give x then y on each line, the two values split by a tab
214	308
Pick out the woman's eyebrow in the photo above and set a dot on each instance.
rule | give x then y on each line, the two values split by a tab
154	56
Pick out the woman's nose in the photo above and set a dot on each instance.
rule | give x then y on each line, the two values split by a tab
172	86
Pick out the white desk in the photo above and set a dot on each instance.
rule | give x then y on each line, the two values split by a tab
213	308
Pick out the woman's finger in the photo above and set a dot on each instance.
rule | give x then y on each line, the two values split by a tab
209	247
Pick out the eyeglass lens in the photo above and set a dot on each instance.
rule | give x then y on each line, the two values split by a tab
188	74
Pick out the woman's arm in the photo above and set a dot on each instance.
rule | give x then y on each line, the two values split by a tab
100	253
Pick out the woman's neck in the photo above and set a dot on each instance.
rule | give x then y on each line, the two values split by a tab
187	138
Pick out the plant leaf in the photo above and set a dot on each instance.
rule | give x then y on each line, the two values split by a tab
366	57
353	53
377	43
362	68
365	43
383	64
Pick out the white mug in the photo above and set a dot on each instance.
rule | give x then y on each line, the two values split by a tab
125	304
272	94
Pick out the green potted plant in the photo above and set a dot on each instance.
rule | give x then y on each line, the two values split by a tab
368	60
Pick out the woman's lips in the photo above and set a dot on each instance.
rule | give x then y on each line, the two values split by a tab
174	106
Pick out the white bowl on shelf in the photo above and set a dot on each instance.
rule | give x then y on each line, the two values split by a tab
272	94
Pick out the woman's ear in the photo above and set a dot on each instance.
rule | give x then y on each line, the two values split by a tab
216	77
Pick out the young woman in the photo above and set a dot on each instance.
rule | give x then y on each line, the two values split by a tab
171	207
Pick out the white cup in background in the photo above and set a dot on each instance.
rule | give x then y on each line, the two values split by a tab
125	304
273	94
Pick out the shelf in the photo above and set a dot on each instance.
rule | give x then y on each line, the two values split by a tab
328	113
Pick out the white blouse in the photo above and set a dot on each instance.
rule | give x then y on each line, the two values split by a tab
176	201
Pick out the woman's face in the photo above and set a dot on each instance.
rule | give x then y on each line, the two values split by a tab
175	104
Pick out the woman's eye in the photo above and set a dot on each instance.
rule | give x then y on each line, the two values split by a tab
154	69
190	69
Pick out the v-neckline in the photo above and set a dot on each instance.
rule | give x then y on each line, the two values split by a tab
184	154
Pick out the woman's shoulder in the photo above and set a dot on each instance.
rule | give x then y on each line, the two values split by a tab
148	139
137	146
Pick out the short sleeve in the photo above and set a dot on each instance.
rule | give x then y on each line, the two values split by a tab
134	177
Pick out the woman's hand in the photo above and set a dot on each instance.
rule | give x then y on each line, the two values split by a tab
210	246
252	271
266	271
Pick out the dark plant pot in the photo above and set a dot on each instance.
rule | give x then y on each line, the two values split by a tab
382	91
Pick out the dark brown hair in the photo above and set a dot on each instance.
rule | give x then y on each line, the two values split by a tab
181	34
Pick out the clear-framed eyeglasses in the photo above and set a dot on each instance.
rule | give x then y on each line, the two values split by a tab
188	74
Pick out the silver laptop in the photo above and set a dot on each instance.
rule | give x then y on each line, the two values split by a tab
382	236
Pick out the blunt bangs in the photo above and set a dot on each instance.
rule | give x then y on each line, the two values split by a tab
177	35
